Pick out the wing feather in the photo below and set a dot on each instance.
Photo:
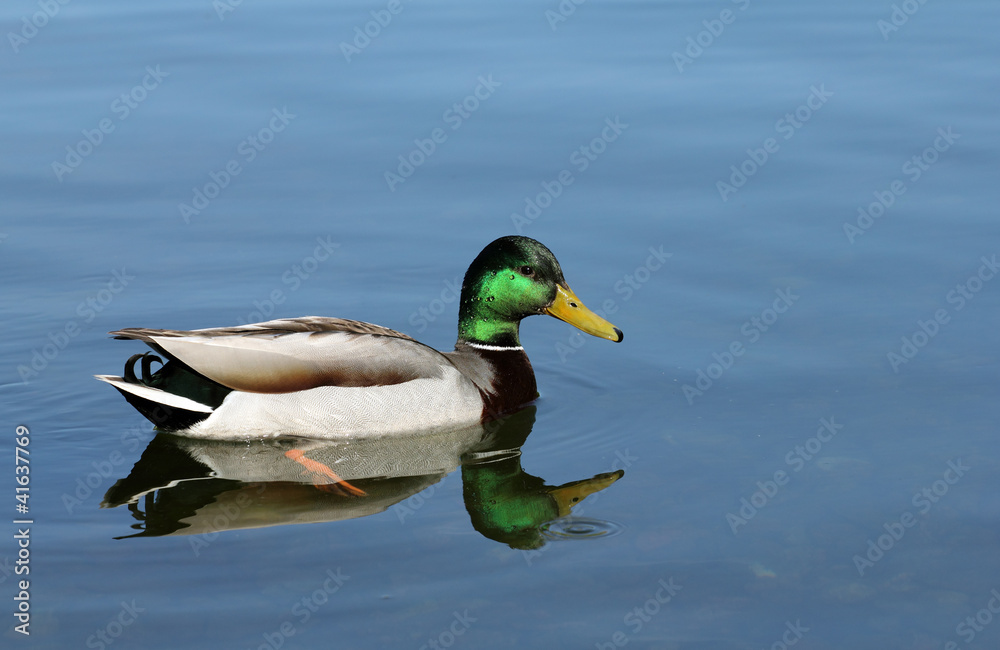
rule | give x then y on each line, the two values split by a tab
287	355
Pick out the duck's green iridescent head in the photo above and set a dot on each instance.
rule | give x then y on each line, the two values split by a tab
514	277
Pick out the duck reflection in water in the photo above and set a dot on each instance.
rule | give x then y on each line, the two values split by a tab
184	486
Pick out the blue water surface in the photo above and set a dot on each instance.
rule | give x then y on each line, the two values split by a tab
789	208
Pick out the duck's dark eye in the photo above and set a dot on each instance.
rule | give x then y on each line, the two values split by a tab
527	271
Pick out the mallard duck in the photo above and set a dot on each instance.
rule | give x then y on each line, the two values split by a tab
335	378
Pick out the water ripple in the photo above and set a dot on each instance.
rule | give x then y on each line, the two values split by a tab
571	528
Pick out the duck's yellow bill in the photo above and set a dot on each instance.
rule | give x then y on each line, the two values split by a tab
569	308
567	496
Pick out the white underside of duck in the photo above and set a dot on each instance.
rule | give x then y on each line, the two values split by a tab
329	412
333	411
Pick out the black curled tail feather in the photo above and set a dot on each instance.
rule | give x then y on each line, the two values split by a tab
147	361
176	378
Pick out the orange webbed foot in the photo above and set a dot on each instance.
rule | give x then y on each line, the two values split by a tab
317	471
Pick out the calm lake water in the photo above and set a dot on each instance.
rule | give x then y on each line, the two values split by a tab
789	208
